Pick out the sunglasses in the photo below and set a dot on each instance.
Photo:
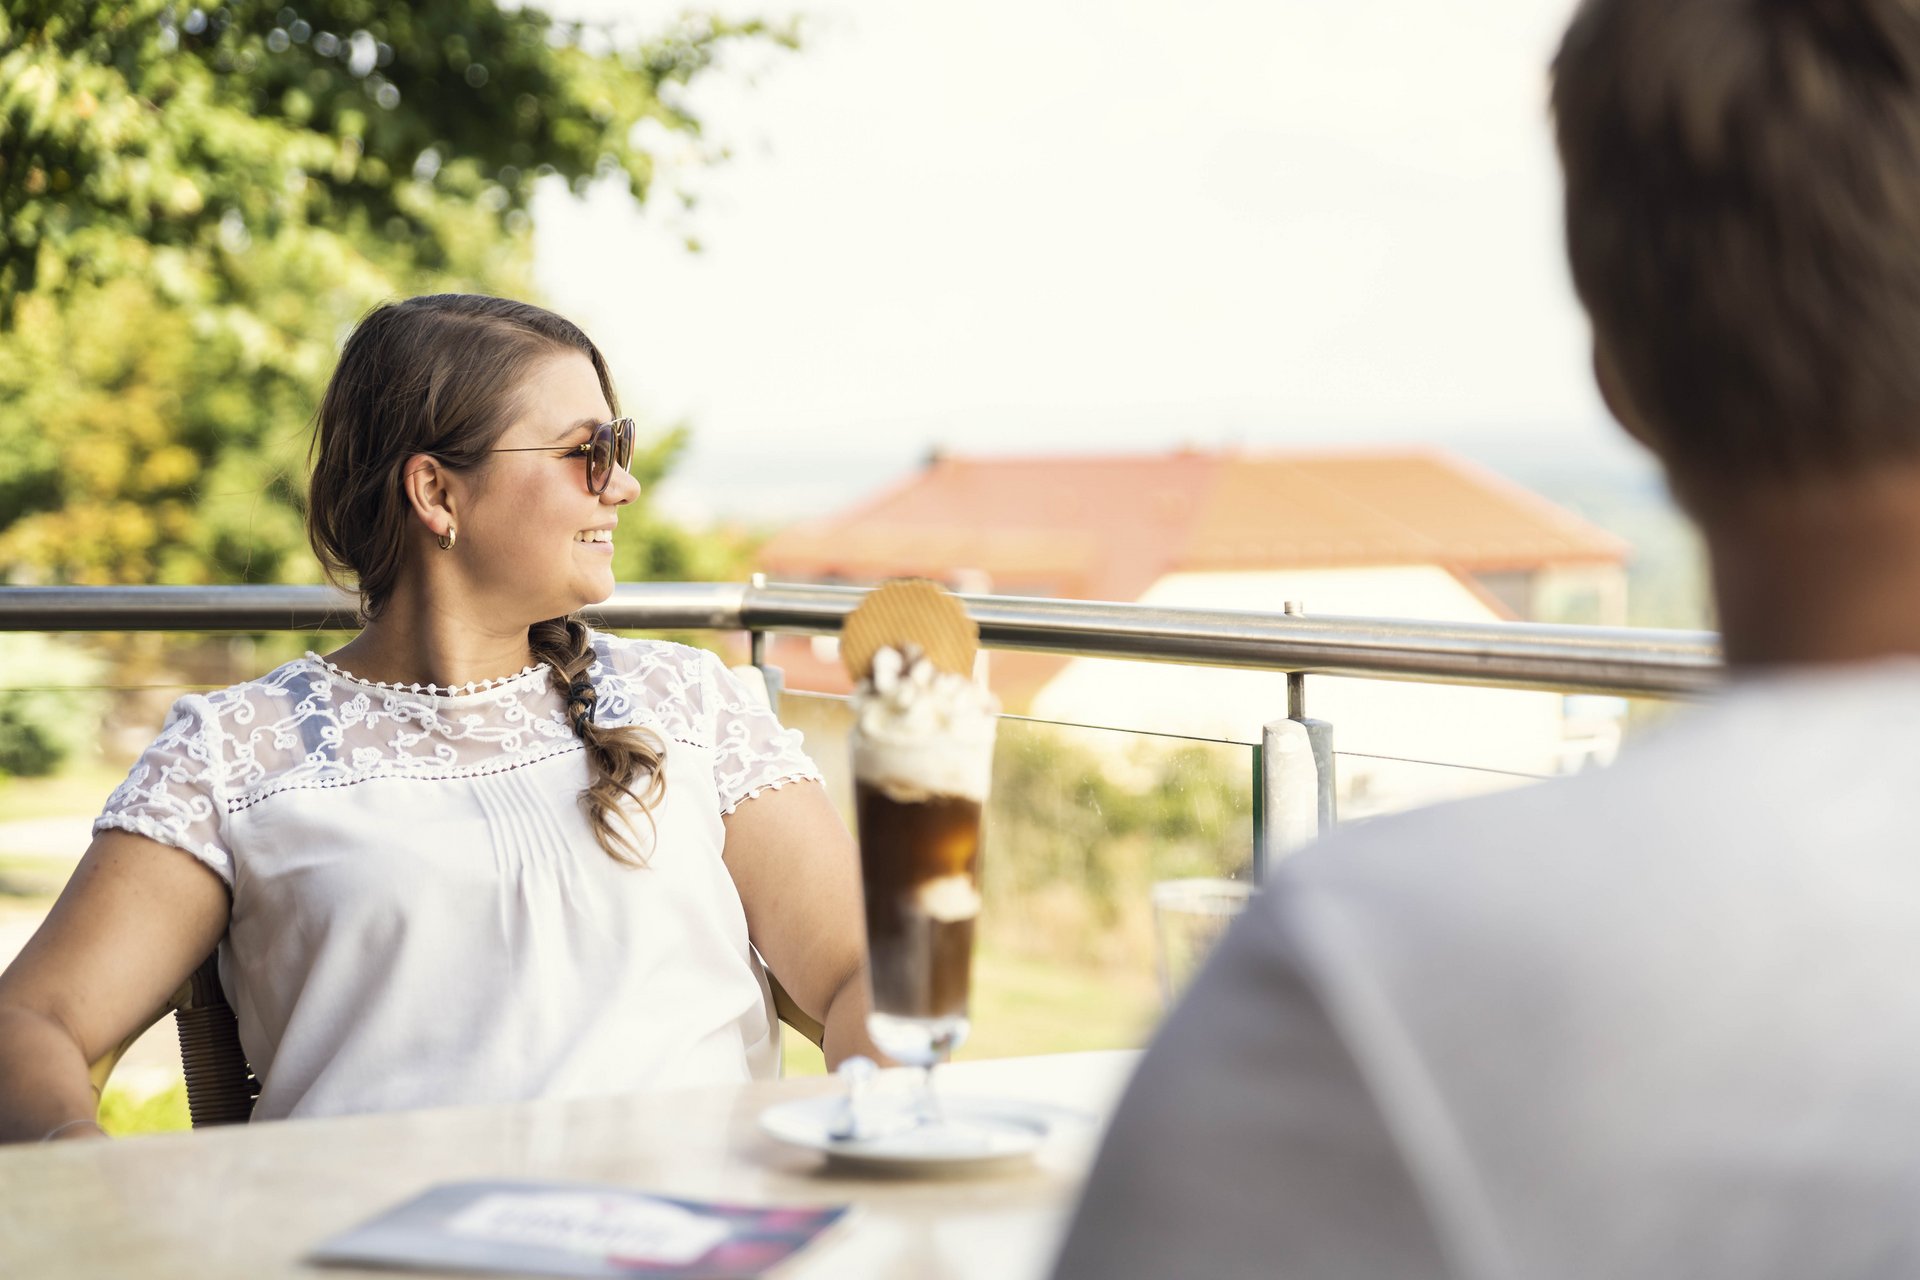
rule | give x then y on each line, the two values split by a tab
610	445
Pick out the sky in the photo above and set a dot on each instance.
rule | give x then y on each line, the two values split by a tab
1058	226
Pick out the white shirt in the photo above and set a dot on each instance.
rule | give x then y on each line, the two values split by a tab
421	914
1658	1021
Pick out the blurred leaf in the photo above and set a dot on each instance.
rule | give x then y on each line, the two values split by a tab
195	204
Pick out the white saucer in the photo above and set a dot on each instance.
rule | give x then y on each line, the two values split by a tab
973	1133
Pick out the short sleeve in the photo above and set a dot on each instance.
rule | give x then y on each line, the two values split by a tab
752	750
172	793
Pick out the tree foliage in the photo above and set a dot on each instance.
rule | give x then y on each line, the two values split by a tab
42	723
195	203
1077	837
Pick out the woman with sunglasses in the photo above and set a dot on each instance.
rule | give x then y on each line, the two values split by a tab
480	853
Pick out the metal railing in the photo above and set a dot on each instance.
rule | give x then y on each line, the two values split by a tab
1293	782
1614	660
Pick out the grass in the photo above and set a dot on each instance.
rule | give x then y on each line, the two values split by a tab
80	790
124	1114
31	884
1023	1006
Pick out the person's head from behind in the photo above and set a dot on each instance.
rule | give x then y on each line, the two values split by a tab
468	462
1743	224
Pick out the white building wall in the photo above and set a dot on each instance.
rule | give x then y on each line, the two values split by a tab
1493	729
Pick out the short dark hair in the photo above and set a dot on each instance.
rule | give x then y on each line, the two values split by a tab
1743	223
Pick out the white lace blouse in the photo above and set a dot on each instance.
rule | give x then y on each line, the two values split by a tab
421	915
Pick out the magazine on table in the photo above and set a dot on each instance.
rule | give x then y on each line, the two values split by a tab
576	1229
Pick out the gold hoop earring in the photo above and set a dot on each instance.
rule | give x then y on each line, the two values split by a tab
446	539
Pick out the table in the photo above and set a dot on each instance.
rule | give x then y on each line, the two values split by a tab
249	1201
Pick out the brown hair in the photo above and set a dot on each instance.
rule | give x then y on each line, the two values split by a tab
442	375
1743	223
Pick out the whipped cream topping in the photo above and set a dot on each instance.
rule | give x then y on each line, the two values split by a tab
920	732
949	899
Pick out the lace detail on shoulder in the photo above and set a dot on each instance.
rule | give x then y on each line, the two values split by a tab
753	751
688	696
651	683
172	794
308	724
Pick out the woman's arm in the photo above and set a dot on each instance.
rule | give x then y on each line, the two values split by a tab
136	918
799	878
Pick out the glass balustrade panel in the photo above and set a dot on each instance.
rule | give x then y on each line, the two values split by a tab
1082	825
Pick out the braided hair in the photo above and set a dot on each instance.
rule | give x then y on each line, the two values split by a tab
616	757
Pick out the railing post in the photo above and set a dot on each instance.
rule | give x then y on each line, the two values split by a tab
757	654
1296	801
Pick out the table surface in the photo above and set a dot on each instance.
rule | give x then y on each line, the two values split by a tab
251	1200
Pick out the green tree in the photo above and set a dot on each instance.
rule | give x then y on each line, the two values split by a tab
1076	838
47	709
196	201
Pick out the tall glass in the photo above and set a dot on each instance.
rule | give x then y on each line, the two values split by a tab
918	816
1188	918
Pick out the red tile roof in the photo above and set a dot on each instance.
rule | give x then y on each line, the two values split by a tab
1108	527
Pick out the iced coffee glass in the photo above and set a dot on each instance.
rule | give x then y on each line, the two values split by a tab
922	747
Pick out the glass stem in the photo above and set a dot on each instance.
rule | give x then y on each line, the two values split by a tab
926	1110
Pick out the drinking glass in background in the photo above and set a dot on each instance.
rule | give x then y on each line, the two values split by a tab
1188	918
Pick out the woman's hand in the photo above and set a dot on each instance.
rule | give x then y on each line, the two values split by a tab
798	874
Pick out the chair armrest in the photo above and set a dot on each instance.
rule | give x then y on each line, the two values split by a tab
794	1016
220	1086
102	1067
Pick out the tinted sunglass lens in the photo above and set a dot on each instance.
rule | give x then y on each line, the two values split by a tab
623	443
600	458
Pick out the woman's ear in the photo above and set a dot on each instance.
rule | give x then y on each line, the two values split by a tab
430	494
